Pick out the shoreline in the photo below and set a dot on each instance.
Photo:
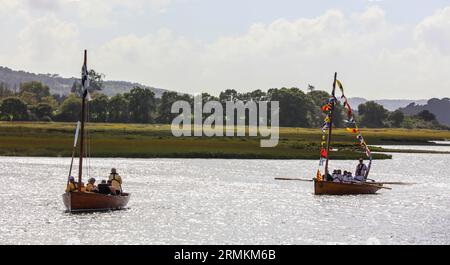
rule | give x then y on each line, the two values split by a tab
53	139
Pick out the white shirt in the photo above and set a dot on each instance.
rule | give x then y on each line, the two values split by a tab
336	178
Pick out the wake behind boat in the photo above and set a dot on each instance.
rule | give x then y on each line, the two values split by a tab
105	196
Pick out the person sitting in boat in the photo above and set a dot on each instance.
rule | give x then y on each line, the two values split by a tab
335	176
83	187
115	179
104	188
361	170
91	187
72	185
347	177
340	177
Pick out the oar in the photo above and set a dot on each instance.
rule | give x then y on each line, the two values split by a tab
392	183
395	183
309	180
381	187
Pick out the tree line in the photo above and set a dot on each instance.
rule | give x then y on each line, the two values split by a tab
33	102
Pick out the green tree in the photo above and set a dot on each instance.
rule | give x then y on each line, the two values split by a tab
4	91
70	109
33	92
165	106
426	115
320	98
14	109
256	96
228	95
118	108
372	114
42	111
98	108
50	100
141	104
396	118
296	109
95	80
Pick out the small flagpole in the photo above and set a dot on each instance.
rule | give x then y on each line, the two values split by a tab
331	126
83	102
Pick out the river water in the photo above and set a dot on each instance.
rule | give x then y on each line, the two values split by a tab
215	201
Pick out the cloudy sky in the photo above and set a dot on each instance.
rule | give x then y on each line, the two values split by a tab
381	48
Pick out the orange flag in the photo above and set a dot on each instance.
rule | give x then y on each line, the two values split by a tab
353	130
318	176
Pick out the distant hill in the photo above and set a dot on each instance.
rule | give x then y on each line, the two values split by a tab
389	104
62	85
439	107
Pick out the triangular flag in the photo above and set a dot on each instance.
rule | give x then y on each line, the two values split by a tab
85	82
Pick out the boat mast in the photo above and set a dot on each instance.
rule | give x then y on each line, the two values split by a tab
83	102
331	125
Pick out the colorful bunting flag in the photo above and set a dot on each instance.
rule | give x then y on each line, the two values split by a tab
351	123
353	130
323	153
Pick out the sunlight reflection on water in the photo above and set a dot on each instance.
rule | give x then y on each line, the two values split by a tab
201	201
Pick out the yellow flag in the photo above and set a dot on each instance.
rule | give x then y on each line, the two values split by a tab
340	86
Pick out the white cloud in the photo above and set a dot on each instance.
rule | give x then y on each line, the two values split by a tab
282	53
95	13
44	4
374	58
434	31
101	13
160	57
10	9
48	44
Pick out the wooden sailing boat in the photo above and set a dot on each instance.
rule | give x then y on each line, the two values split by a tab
89	201
324	187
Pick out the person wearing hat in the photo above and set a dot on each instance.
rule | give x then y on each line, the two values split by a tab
91	187
345	176
116	180
361	170
72	185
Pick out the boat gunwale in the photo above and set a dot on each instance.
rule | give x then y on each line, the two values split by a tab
124	197
371	188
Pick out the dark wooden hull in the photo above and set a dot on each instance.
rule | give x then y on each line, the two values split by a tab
87	201
339	188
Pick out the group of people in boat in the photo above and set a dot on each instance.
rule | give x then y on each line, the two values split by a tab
112	186
347	176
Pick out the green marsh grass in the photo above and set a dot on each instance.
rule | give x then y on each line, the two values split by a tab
155	140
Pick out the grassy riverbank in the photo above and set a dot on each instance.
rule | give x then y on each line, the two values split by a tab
138	140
